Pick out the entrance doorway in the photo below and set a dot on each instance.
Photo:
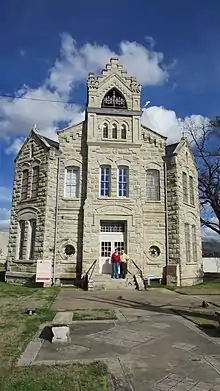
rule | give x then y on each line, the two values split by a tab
112	235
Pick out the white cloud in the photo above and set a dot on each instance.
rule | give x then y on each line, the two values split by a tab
168	124
15	146
4	219
17	116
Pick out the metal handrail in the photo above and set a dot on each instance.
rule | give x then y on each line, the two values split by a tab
92	267
137	267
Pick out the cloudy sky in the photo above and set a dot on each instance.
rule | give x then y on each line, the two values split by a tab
48	48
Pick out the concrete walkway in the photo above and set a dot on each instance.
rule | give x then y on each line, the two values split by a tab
147	348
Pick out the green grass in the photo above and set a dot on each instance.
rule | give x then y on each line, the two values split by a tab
206	288
92	377
17	329
94	314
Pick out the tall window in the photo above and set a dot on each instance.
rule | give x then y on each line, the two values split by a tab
105	179
191	191
32	238
24	184
35	182
105	131
153	185
72	182
123	132
122	188
185	187
187	242
21	252
194	243
114	131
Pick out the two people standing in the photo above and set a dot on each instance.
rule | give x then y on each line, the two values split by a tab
117	260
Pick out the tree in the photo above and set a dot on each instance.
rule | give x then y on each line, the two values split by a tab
205	142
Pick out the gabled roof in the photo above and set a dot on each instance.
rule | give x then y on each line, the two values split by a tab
69	127
48	143
170	149
153	131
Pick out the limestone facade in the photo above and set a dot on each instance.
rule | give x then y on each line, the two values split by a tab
108	182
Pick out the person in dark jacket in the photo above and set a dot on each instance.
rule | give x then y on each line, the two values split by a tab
115	261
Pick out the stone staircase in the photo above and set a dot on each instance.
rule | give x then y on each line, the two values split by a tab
105	282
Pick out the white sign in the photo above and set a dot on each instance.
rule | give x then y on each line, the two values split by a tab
43	272
150	276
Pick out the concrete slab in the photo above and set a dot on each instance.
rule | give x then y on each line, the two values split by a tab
160	353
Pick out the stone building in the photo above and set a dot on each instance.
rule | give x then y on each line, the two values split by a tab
108	182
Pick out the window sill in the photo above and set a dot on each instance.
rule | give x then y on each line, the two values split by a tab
29	199
153	202
114	140
71	199
114	198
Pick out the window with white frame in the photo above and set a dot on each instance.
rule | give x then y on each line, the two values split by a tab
123	132
114	131
72	180
105	130
105	181
153	185
122	182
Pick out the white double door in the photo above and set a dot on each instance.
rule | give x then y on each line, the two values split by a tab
108	242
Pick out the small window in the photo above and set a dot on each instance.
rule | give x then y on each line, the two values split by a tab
194	243
105	181
31	150
123	132
191	191
114	131
185	187
122	182
105	131
32	238
72	182
153	185
24	184
21	252
187	242
35	182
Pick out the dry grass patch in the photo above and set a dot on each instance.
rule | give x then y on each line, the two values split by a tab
205	318
94	314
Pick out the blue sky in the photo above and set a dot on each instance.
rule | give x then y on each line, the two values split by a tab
47	49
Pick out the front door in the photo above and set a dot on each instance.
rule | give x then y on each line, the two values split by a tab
112	235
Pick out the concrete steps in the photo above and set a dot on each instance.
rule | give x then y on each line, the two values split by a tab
105	282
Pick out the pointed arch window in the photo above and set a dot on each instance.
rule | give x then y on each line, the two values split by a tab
115	99
114	131
123	132
105	131
153	185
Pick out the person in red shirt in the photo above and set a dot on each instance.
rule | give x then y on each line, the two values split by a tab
115	261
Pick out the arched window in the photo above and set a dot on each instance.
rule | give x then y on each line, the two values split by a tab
153	185
123	132
72	180
35	182
24	184
114	131
105	131
115	99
